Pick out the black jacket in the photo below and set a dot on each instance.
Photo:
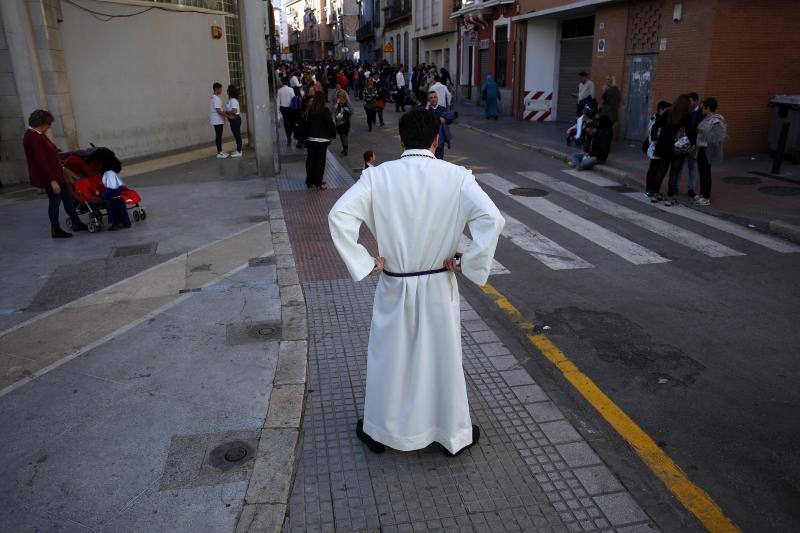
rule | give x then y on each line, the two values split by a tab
320	125
597	145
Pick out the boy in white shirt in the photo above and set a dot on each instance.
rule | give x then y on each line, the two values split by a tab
218	118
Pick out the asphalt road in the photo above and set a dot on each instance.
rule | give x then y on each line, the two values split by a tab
692	334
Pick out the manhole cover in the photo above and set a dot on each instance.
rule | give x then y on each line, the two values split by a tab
779	190
230	455
250	332
135	249
527	191
622	188
742	180
261	261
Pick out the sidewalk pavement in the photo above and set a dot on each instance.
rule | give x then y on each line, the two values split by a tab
743	188
533	470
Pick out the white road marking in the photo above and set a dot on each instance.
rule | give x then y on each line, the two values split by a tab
659	227
496	267
616	244
592	177
768	241
540	247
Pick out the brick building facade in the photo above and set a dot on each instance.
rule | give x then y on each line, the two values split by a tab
735	50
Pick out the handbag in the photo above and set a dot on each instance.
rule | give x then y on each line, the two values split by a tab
380	103
682	143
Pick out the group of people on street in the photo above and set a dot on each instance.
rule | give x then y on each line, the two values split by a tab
231	112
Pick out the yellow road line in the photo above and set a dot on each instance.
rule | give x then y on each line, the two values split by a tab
696	500
456	159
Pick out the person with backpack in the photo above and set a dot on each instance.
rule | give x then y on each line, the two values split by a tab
370	102
711	134
672	147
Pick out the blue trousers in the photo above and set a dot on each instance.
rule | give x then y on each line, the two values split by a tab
115	205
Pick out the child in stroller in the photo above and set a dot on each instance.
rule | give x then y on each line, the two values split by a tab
89	189
575	132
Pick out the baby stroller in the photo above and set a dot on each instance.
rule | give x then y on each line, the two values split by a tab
86	186
575	132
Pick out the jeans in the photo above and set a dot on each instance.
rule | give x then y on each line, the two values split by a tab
693	172
583	161
343	137
315	162
675	174
116	208
236	129
380	115
218	136
56	199
704	169
400	103
370	117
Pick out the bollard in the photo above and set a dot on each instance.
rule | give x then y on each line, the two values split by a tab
776	163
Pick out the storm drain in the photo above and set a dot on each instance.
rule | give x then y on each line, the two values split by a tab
261	261
528	191
779	190
249	332
209	459
148	248
742	180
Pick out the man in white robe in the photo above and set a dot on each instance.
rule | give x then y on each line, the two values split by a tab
417	208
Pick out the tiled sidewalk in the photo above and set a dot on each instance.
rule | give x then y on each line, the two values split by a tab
531	471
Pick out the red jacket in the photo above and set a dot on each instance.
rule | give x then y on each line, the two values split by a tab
44	165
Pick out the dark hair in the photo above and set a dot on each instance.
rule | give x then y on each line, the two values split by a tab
108	160
693	96
217	85
369	154
663	104
233	92
583	74
711	104
285	80
679	110
418	128
40	117
320	103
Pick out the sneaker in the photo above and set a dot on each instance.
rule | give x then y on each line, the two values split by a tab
222	155
691	193
699	200
570	164
236	154
648	194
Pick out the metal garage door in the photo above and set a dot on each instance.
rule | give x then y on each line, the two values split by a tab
577	43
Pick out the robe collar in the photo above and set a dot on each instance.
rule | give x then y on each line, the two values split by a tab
418	152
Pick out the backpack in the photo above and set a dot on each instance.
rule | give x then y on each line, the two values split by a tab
296	103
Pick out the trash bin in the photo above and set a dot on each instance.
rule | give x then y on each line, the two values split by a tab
785	109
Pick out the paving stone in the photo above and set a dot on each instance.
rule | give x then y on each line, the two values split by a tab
287	276
514	378
530	393
638	528
504	362
544	411
272	472
292	358
285	406
292	295
285	261
560	431
295	325
578	454
620	509
598	479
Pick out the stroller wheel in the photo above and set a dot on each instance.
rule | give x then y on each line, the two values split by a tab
136	216
143	215
92	226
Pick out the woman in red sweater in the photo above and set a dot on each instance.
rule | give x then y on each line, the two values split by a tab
44	169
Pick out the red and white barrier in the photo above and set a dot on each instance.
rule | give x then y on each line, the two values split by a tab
538	105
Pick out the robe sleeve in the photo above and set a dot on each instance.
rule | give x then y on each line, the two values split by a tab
345	219
485	224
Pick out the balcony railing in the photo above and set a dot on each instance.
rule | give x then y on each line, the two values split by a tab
396	10
365	32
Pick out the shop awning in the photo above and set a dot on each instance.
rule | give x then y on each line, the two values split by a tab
582	7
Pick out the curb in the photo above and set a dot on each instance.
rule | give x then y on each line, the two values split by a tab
270	486
777	227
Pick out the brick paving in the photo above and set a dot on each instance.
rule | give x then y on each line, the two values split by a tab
531	471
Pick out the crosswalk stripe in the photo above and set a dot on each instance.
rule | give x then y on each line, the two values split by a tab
495	269
659	227
540	247
592	177
616	244
768	241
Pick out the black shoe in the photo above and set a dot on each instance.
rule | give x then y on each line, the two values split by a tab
476	436
691	193
80	226
60	234
344	152
373	445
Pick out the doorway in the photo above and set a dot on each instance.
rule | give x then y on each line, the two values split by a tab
638	109
577	44
470	60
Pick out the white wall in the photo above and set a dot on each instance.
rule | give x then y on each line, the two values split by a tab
440	44
142	85
541	65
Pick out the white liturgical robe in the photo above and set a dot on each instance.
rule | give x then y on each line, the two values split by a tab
417	208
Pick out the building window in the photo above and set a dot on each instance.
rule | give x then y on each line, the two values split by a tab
500	54
582	27
436	12
447	59
426	13
418	14
405	50
376	14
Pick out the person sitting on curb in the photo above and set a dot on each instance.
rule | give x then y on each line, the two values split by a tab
595	148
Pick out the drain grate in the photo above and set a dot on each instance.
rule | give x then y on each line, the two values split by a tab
527	191
135	249
742	180
779	190
230	455
250	332
261	261
622	188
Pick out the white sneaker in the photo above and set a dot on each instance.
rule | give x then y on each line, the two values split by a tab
699	200
223	155
236	154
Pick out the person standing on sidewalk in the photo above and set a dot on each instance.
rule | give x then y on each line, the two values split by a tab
491	94
585	92
370	103
218	116
233	110
416	393
45	172
672	147
284	97
319	132
400	100
609	112
342	119
695	117
711	134
444	117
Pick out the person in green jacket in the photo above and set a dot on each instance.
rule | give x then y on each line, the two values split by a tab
609	111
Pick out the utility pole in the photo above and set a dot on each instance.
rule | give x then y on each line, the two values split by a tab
253	22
